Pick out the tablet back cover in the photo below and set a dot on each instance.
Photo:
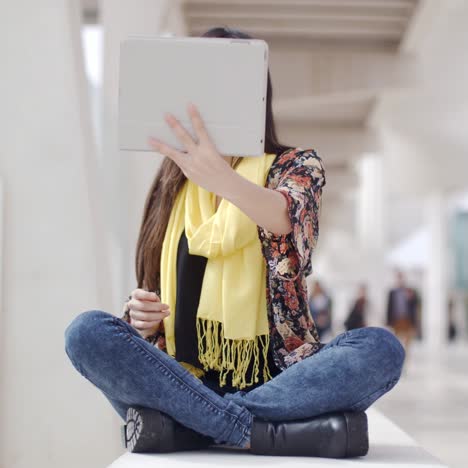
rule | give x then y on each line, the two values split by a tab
225	78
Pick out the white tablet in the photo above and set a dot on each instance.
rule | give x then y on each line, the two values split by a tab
225	78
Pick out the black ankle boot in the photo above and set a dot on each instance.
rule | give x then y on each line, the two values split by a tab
331	435
151	431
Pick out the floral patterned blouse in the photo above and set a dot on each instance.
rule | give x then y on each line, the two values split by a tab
300	176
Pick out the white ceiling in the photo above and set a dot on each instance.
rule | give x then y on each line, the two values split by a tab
379	24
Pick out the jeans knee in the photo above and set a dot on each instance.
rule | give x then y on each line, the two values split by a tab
81	331
392	350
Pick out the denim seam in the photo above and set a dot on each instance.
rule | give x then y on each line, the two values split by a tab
176	379
388	385
245	432
242	439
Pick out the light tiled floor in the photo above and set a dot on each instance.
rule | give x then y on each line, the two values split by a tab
431	402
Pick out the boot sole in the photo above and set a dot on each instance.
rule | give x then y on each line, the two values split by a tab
144	431
151	431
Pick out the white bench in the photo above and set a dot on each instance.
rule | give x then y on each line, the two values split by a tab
389	447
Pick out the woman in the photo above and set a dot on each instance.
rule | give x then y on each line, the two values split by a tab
357	315
248	370
402	311
320	306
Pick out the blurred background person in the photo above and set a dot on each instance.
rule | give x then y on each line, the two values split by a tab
452	324
320	305
357	317
402	307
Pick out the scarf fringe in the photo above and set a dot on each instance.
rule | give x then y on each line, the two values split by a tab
231	355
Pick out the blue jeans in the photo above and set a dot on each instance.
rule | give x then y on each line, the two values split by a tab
348	374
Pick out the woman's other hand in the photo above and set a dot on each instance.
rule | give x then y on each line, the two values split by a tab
146	311
201	162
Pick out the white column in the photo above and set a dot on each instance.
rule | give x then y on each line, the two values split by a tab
370	215
52	250
128	174
434	307
370	229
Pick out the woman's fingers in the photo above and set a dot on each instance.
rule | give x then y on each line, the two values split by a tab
197	123
180	132
148	316
143	295
147	306
166	150
142	325
146	310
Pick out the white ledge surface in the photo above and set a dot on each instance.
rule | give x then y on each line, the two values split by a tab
389	447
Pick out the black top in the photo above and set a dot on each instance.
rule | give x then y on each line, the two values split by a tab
190	271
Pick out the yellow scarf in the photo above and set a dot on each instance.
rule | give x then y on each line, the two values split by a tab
232	322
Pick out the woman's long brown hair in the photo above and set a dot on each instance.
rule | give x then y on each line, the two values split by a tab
167	183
